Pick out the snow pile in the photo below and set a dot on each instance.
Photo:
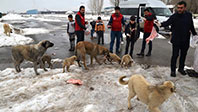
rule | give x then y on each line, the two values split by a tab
100	92
195	23
13	40
30	31
13	17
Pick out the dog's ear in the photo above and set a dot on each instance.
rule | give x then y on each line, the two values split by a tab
44	44
160	88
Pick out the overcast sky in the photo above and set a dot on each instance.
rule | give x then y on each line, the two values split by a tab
24	5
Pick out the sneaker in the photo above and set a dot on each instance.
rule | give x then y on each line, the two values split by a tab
148	54
182	72
70	49
173	74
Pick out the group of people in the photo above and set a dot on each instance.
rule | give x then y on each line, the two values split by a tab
181	27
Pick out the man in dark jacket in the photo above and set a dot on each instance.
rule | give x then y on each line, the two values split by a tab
80	24
148	25
115	23
181	26
93	24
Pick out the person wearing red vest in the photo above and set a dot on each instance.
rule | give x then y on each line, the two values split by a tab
80	24
148	25
115	23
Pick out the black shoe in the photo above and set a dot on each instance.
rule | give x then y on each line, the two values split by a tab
182	72
70	49
148	54
141	54
173	74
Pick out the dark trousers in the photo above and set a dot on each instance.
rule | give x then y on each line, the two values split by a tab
115	35
72	40
146	35
80	36
130	40
177	50
92	32
100	35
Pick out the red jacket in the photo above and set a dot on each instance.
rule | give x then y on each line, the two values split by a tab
77	27
116	22
148	24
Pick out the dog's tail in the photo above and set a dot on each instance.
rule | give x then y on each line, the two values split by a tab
121	81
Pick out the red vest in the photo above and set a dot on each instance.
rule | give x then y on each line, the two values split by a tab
77	27
148	25
117	22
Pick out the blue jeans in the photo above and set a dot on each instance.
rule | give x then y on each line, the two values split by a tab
115	35
92	32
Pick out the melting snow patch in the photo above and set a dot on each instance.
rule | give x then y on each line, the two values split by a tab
30	31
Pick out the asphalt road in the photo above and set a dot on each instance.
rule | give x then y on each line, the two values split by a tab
161	53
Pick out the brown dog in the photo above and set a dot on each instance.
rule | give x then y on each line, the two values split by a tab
47	58
7	29
112	58
126	61
153	96
31	53
92	49
68	61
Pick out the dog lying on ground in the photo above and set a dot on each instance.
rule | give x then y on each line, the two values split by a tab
31	53
126	61
7	29
47	58
18	31
68	61
151	95
92	49
112	58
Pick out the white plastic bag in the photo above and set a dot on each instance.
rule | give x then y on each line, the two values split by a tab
95	34
194	41
195	65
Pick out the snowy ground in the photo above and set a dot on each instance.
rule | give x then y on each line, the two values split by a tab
100	92
14	39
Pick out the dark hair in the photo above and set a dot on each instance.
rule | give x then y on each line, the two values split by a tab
117	8
99	18
132	18
81	7
182	3
70	16
146	9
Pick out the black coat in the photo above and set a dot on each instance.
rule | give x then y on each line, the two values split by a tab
181	27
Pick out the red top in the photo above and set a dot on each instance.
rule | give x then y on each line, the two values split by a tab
77	27
116	22
148	24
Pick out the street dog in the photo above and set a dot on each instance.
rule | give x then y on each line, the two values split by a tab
126	61
112	58
67	62
92	49
7	29
18	31
47	58
31	53
152	95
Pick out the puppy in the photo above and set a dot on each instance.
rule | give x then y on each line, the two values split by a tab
112	58
31	53
151	95
92	49
7	29
68	61
126	61
47	58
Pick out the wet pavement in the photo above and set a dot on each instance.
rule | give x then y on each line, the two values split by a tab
161	52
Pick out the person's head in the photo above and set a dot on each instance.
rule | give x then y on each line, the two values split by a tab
181	7
70	17
132	19
146	12
99	19
82	9
117	9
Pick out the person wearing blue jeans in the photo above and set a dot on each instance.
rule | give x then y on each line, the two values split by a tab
115	23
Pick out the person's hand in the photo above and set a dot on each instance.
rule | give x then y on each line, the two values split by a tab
144	19
128	35
157	23
86	22
108	26
123	30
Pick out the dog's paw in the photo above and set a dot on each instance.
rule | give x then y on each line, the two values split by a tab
37	73
129	108
86	68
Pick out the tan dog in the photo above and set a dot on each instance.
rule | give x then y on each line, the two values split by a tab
68	61
31	53
126	61
7	29
112	58
153	96
47	58
92	49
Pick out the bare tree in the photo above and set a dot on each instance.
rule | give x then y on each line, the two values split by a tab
115	2
95	6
